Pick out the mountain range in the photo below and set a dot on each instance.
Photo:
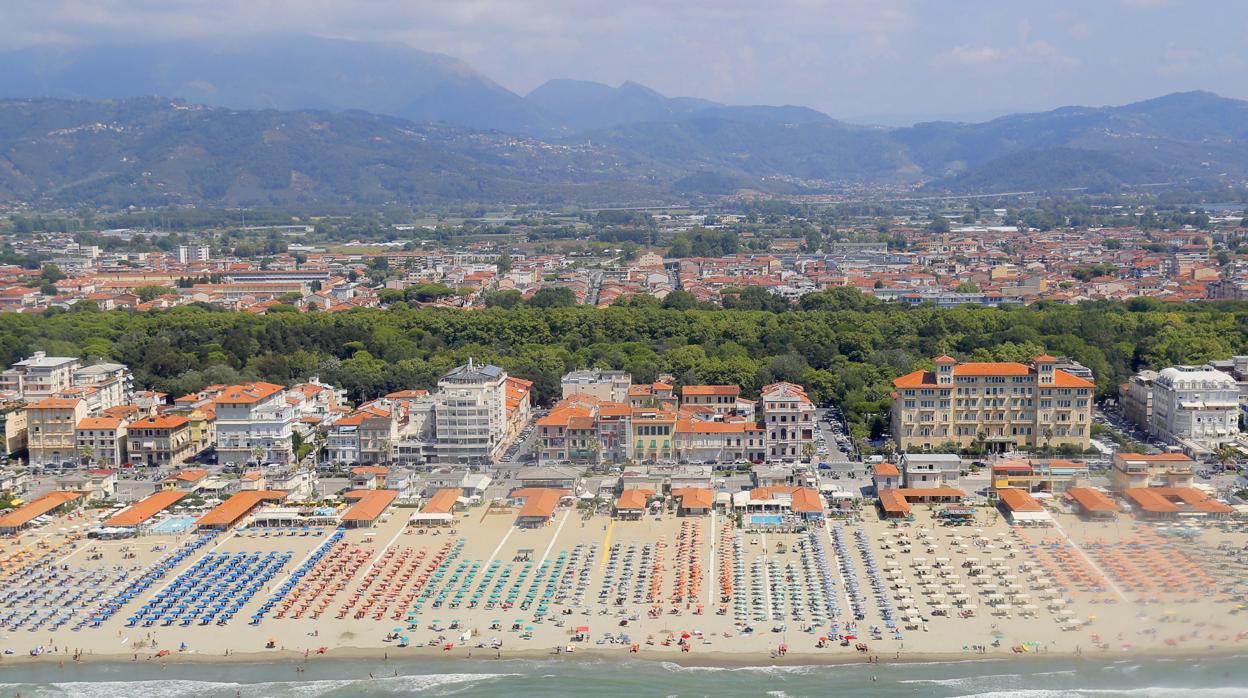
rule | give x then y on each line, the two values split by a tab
298	120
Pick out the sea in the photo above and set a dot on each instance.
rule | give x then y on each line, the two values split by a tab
581	678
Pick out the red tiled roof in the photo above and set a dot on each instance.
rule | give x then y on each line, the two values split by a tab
694	497
1091	499
633	500
146	508
442	501
1018	500
34	509
371	504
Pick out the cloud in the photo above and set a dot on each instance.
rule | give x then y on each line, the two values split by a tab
1037	52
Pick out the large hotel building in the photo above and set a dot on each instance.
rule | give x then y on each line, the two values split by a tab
1007	405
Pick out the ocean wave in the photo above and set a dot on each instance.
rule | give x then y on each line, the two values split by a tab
179	688
963	681
1145	692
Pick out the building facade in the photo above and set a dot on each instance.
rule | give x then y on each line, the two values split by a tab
470	414
254	423
600	384
789	417
102	440
51	430
163	441
1195	407
1003	405
40	376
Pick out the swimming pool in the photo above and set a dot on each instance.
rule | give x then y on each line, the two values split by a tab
766	519
173	524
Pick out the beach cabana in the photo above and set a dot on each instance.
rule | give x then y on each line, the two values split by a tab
143	510
368	508
234	509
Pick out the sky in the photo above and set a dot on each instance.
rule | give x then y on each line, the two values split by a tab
886	61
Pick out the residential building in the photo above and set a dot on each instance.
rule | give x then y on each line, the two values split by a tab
1136	397
193	253
600	384
653	431
106	385
720	398
711	440
254	423
160	441
12	427
1003	405
102	440
1195	407
925	470
51	430
470	414
39	376
789	417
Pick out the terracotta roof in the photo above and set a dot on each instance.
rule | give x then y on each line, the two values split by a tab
710	390
694	497
34	509
191	475
442	501
1018	500
703	426
371	505
228	513
1160	499
168	421
539	502
887	470
100	423
247	393
806	499
370	470
1091	499
633	499
146	508
55	403
893	502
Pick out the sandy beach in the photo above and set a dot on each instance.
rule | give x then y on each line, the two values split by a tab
697	591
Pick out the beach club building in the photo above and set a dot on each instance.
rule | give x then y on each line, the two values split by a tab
537	505
896	503
233	510
693	501
439	510
51	503
1162	503
1137	470
631	504
138	514
368	508
1020	508
1091	503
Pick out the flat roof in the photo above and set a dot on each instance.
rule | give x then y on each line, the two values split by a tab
146	508
32	510
236	507
442	501
371	504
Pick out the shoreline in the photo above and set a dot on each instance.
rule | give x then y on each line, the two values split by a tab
724	660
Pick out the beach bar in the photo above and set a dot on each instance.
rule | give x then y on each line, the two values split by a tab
537	505
1175	502
18	519
1021	508
440	509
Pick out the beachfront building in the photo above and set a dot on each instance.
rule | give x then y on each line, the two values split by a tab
789	417
17	520
254	424
659	394
652	431
1001	405
470	414
885	476
51	430
600	384
102	440
160	441
700	440
367	435
1040	475
1195	408
925	470
537	505
1135	470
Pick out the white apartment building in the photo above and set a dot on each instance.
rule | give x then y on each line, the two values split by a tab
1196	407
104	385
40	376
789	418
193	253
470	414
103	440
600	384
254	422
